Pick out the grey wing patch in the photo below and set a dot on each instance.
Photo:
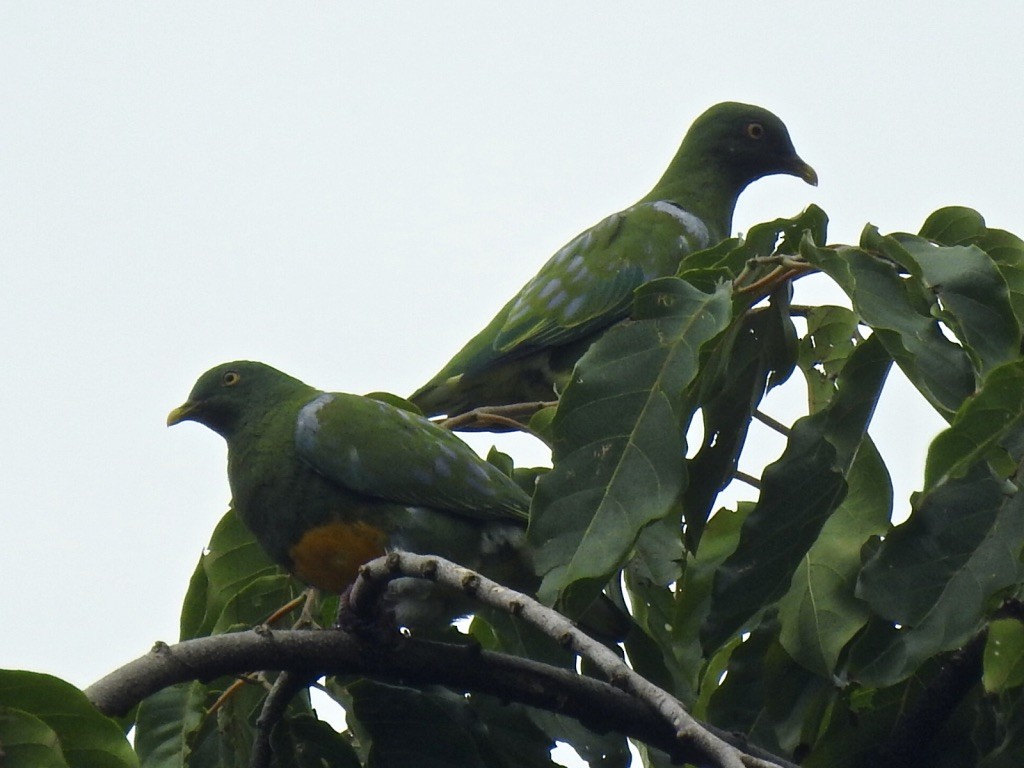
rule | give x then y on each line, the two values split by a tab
307	425
691	223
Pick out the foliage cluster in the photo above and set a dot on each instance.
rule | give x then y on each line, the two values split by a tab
806	620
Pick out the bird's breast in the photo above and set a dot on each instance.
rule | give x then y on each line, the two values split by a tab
328	556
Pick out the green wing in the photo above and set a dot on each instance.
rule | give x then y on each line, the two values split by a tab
385	452
588	284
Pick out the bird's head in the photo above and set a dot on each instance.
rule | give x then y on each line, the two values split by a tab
745	143
227	396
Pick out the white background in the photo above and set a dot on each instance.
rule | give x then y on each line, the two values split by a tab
348	192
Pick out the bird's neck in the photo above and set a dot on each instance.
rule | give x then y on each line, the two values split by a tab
701	189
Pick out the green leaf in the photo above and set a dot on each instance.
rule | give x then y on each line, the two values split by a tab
759	349
619	440
860	723
820	614
305	742
831	337
254	602
982	422
1008	740
933	575
435	728
973	296
900	316
954	225
232	563
167	725
798	494
680	634
87	739
28	742
1007	252
599	750
659	550
649	644
766	696
729	258
1004	656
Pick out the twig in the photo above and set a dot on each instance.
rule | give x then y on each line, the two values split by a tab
768	421
285	687
750	480
375	575
230	691
304	600
486	418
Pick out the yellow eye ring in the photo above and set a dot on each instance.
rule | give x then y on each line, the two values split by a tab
230	378
755	130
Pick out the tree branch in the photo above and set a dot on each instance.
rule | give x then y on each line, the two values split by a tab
641	710
597	705
285	687
690	734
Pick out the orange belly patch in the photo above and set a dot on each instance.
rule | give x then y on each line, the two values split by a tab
329	556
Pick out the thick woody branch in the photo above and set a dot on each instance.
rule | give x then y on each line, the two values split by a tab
408	661
690	735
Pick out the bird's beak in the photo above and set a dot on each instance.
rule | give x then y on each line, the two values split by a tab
183	412
802	170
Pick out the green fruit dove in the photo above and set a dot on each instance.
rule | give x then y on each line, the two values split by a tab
327	481
528	351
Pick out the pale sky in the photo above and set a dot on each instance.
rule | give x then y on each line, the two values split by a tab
350	191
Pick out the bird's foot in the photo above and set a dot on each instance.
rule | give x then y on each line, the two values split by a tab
379	628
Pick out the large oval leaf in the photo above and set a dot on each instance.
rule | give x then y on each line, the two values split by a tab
619	439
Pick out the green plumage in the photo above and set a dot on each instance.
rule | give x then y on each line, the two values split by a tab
528	350
326	481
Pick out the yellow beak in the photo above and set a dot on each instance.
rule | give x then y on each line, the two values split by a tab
182	413
805	172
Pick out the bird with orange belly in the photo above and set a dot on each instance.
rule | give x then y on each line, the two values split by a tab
327	481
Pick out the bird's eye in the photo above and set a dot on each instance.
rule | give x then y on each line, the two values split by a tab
230	378
755	130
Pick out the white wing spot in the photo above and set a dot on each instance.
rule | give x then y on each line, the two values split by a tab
480	487
557	300
442	466
518	311
573	308
550	288
693	225
308	422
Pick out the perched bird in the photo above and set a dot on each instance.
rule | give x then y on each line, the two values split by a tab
528	351
327	481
